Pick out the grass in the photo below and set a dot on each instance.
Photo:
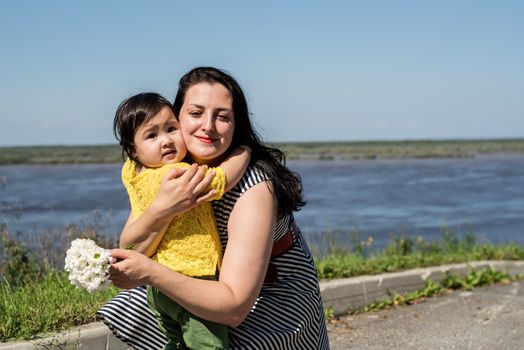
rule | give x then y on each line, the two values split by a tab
49	304
404	253
37	298
293	150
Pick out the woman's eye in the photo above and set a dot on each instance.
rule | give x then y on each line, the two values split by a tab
224	117
195	114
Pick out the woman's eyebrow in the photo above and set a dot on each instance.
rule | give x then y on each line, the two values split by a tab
196	105
217	109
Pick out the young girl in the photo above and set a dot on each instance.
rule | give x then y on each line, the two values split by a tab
150	135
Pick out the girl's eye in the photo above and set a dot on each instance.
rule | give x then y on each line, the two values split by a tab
172	129
151	136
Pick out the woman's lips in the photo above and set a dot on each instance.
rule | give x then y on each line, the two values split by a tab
205	139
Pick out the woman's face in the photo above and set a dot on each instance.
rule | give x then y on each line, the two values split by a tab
207	122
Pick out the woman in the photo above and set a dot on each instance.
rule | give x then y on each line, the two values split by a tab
267	291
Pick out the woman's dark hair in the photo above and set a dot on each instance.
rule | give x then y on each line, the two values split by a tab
286	184
131	114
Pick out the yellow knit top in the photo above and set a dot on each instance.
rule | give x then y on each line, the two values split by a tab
191	244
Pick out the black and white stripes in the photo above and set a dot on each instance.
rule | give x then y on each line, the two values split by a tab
288	314
130	320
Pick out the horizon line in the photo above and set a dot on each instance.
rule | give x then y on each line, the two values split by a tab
465	139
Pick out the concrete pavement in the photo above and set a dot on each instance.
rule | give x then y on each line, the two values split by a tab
486	318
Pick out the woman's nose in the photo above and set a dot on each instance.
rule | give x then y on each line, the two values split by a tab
208	123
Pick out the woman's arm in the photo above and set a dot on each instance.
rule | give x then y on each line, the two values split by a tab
180	190
229	300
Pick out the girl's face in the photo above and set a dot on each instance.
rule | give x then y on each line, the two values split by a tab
159	141
207	122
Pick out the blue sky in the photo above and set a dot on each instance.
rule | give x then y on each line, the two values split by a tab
312	70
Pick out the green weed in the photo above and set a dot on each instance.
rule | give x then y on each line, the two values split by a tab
328	313
470	281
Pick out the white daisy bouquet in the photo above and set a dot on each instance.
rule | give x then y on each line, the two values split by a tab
88	265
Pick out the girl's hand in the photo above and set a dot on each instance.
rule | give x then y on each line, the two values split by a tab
182	189
131	270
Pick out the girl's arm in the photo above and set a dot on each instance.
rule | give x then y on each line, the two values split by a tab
228	300
180	190
235	165
142	241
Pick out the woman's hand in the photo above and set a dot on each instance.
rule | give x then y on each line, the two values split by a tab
133	269
182	189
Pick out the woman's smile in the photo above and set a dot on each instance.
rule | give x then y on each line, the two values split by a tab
207	122
206	139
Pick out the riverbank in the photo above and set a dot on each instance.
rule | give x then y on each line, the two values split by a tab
341	296
32	279
413	149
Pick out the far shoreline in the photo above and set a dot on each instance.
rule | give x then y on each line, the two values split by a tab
351	150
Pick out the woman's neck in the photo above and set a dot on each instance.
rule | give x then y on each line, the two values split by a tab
209	162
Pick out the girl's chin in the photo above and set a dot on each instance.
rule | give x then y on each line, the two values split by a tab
170	159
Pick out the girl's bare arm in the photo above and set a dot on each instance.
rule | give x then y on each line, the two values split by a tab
235	165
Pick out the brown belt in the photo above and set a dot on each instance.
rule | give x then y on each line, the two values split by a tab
281	246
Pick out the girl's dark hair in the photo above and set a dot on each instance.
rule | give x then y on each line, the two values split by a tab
286	184
131	114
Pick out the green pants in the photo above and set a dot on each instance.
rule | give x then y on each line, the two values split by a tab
183	329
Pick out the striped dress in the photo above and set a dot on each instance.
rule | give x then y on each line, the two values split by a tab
288	313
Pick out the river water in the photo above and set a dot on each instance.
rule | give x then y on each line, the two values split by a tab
376	198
